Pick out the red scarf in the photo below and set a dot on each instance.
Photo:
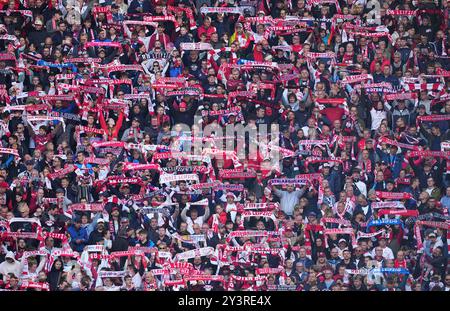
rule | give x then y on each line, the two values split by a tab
258	56
148	286
112	228
348	58
366	166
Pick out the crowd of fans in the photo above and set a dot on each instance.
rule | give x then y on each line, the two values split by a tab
102	103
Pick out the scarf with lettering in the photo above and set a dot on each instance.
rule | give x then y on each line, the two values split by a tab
62	172
167	178
204	251
249	233
363	235
348	231
288	181
357	78
166	18
248	214
393	195
388	141
115	180
403	212
391	204
236	174
384	222
433	118
428	153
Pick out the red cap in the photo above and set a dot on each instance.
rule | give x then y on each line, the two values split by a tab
183	105
4	184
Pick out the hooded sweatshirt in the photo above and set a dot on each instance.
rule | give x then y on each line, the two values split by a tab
6	267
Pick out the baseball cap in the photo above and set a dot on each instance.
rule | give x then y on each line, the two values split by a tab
100	220
230	194
342	240
312	214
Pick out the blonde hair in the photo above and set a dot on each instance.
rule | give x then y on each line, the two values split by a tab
23	206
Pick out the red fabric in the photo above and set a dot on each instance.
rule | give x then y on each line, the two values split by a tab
383	63
222	219
164	39
387	174
399	264
42	140
333	113
208	31
115	132
258	56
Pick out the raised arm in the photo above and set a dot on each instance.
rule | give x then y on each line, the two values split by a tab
277	191
183	213
118	124
207	212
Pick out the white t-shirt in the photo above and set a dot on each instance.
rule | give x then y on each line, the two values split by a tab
137	280
191	223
